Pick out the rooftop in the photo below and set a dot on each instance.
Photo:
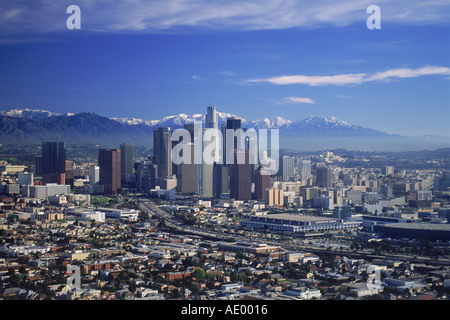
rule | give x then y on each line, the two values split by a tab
295	217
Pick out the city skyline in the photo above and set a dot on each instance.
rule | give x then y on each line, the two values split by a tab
227	150
291	59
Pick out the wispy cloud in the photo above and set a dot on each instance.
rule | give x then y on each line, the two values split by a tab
353	78
196	77
290	100
42	16
341	79
228	73
409	73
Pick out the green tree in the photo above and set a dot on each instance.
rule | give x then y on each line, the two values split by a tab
199	274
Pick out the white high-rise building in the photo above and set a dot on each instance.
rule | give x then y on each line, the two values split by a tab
211	122
94	174
286	167
304	168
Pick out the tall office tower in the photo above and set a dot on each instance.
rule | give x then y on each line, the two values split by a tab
162	150
53	162
94	175
241	176
206	187
323	175
304	168
70	173
262	182
221	180
126	162
146	176
187	173
211	118
211	122
387	170
232	124
38	166
189	179
109	163
286	167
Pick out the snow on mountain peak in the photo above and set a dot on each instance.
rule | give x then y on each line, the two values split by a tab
180	119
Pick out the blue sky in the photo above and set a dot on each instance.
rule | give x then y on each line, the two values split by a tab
150	59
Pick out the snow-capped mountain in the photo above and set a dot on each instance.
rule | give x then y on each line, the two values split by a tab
26	125
28	113
179	120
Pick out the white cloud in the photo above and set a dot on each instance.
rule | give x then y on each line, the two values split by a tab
196	77
354	79
341	79
228	73
409	73
41	16
297	100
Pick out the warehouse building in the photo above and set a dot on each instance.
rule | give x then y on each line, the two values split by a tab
298	223
431	231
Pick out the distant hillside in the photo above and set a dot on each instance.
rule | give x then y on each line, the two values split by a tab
79	128
28	126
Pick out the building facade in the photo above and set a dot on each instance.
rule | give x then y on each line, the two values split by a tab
109	164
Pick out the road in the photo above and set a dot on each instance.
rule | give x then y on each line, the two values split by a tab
174	223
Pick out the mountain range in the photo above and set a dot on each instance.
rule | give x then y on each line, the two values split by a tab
32	126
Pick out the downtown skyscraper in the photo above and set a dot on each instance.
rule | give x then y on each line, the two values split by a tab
323	175
286	168
162	151
109	162
126	162
241	176
304	168
53	162
211	122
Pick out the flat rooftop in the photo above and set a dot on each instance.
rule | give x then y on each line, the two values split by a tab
295	217
420	226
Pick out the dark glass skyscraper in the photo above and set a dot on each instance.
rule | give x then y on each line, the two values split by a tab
53	157
126	162
162	150
262	182
109	163
53	162
323	175
241	177
234	123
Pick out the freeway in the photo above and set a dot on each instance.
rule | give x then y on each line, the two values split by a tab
174	223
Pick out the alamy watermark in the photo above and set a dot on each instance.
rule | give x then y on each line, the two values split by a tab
231	146
374	277
74	20
74	280
374	21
